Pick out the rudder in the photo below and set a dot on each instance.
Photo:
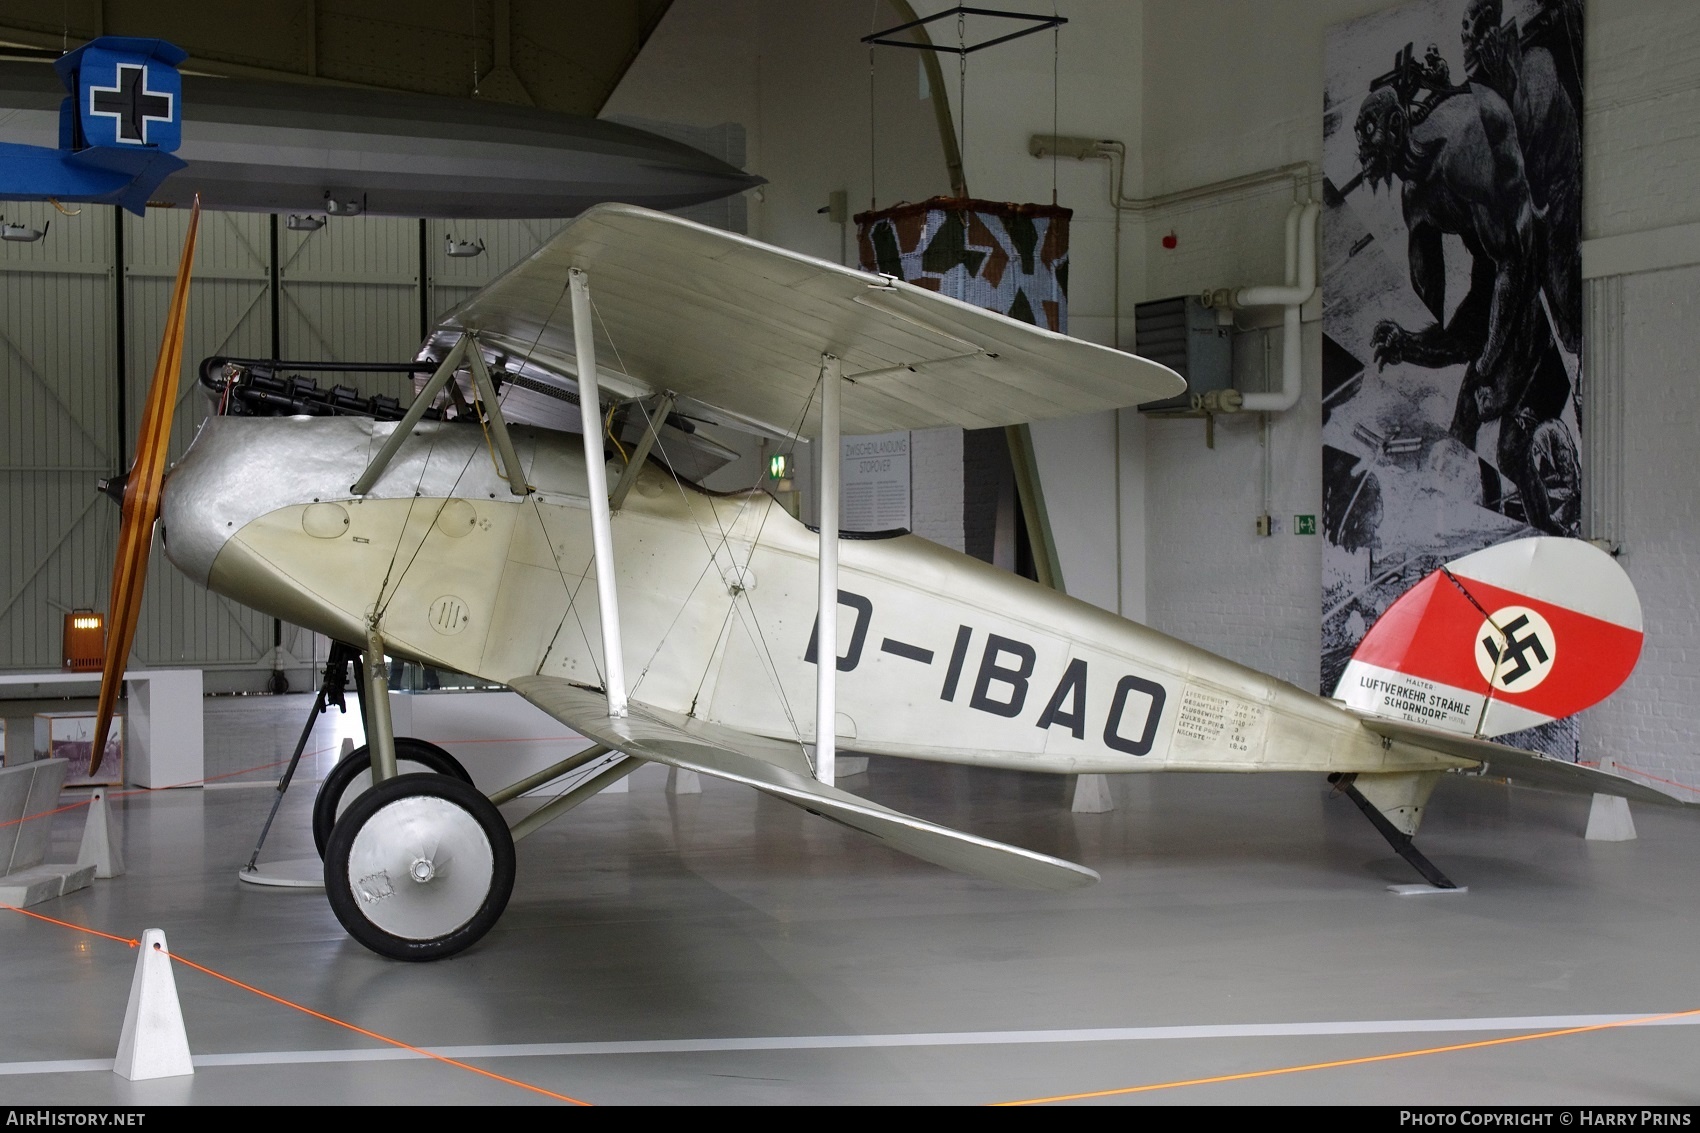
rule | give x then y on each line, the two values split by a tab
1505	639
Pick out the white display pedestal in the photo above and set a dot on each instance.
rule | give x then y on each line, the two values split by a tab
25	790
164	731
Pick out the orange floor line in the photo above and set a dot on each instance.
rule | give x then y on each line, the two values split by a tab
1240	1077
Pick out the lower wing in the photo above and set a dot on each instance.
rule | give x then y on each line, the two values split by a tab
779	769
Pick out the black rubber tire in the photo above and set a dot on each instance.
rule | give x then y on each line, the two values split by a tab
328	803
347	905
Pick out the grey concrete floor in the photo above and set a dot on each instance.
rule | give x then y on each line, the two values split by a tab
725	948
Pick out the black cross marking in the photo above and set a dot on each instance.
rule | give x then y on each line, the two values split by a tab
131	103
1515	648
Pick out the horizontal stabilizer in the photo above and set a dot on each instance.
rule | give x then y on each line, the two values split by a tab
1525	767
779	769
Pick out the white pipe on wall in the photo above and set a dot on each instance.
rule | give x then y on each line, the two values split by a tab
1299	287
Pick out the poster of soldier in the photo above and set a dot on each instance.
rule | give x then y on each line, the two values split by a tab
1452	290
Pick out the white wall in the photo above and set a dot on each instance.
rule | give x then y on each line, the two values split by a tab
796	76
1230	88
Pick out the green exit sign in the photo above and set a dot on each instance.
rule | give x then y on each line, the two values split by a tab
779	466
1304	525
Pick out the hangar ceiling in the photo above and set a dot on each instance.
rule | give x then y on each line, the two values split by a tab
564	55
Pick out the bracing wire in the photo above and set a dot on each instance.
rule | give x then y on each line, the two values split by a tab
714	550
873	25
752	622
1056	56
962	94
383	603
573	591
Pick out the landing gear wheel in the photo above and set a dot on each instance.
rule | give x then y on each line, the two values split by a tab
352	777
419	867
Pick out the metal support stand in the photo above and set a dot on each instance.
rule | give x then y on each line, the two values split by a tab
331	688
1398	839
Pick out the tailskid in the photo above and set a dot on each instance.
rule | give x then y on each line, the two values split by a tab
1398	839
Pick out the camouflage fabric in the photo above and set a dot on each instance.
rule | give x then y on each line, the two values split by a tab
1012	259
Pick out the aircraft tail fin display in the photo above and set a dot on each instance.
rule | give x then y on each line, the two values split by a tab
1502	640
780	770
118	126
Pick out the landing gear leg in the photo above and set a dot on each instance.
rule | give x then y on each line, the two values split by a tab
1398	839
380	732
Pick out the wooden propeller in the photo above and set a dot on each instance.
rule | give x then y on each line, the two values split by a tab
141	497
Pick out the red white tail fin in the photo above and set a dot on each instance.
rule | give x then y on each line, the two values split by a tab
1508	638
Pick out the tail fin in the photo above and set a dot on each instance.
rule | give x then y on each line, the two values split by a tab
1505	639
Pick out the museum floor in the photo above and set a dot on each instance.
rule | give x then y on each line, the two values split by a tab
724	948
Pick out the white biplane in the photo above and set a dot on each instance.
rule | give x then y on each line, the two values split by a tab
679	626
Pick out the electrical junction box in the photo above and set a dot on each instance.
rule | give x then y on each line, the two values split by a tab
1183	334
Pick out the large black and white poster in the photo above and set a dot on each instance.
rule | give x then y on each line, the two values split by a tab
1452	289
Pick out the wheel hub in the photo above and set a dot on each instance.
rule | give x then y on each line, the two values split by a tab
433	842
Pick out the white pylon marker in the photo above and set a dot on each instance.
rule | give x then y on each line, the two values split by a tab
153	1043
346	750
100	847
1092	795
1609	820
681	781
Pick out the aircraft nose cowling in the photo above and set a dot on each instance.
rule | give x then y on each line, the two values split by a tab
241	468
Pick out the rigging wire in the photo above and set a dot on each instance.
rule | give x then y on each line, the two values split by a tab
962	93
873	26
1056	55
572	597
751	623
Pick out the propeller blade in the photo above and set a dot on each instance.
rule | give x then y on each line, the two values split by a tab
141	497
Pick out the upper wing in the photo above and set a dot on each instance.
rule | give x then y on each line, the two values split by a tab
780	770
1528	767
738	326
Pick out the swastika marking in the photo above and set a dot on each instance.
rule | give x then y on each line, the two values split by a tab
1515	649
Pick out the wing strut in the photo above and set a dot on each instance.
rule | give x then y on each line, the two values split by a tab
404	428
596	471
826	653
641	453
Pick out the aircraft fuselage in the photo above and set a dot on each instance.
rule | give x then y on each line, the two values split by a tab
941	656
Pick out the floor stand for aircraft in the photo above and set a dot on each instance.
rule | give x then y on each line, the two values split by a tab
332	686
